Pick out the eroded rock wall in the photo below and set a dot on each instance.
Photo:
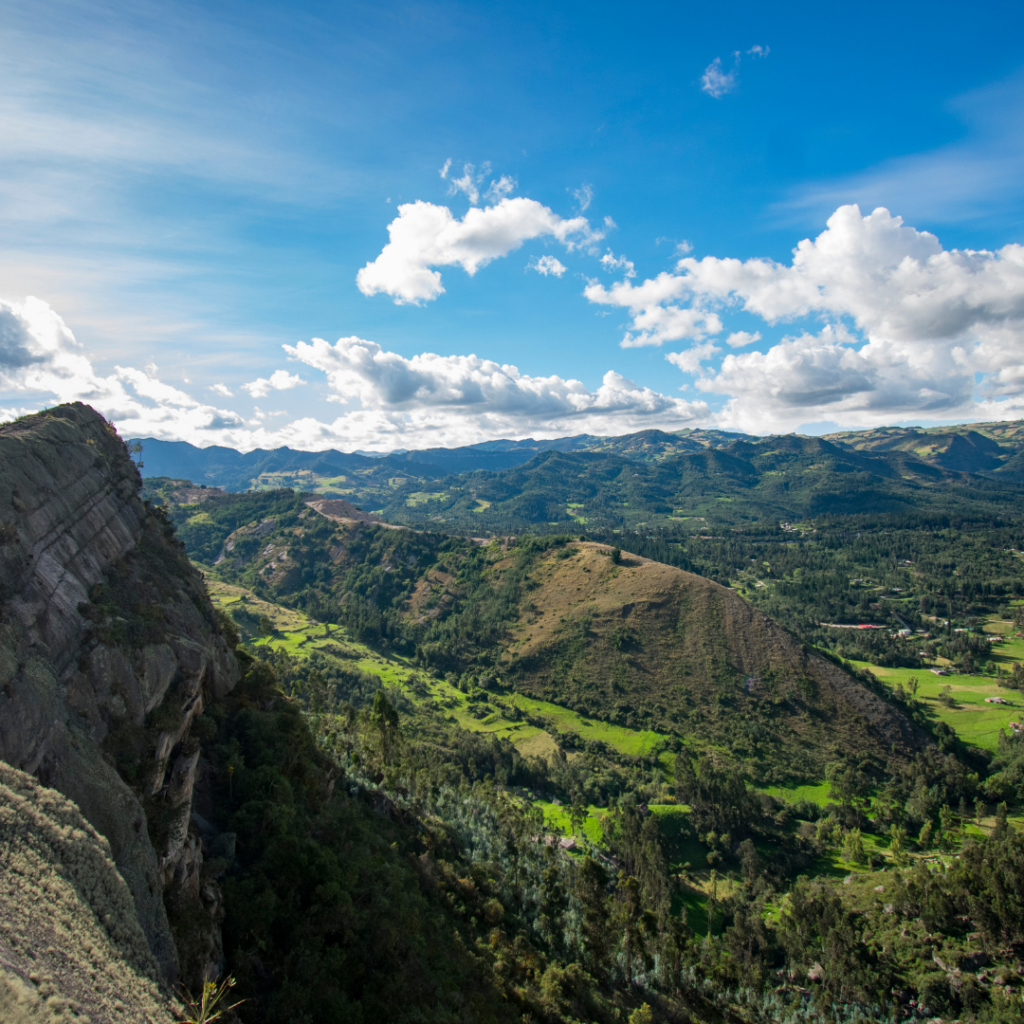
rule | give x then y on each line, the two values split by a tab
109	648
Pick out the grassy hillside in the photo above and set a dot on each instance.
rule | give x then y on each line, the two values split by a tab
850	840
617	641
85	957
545	780
708	773
990	449
622	640
644	644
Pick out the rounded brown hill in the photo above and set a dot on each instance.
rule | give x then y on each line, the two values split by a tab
647	645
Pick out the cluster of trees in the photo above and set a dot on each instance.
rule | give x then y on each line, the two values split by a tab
913	570
382	866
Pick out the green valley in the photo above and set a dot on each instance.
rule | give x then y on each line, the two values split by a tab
735	767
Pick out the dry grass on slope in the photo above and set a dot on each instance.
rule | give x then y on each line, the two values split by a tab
648	645
71	948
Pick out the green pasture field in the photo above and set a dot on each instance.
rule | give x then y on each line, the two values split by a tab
680	845
333	485
632	742
819	794
298	636
1011	650
556	818
575	511
687	858
973	720
422	497
298	479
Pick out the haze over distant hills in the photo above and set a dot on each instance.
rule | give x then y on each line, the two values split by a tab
237	471
981	448
637	479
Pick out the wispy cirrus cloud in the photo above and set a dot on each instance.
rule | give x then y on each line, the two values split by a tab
716	82
978	177
584	196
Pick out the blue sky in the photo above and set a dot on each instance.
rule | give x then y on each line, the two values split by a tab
188	192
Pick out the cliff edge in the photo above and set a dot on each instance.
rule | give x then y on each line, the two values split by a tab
109	649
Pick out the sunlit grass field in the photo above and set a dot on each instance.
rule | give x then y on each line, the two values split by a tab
556	818
501	713
819	794
973	720
298	636
633	742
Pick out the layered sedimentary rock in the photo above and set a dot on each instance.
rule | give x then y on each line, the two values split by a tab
109	648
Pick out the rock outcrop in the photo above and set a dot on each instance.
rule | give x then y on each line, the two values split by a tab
109	648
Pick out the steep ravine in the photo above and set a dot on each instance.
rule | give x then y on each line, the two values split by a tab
109	649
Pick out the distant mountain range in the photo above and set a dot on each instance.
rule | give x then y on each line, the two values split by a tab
985	448
634	481
989	449
232	470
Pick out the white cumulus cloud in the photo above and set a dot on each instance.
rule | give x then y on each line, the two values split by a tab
689	360
615	263
390	401
40	357
913	330
654	305
738	339
823	376
547	265
222	389
280	380
466	396
424	236
893	280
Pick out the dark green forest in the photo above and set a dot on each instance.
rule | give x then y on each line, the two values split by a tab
386	870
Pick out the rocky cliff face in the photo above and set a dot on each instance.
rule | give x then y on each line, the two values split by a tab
109	650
